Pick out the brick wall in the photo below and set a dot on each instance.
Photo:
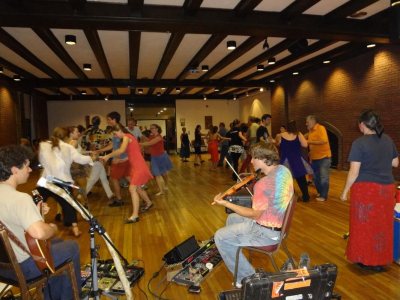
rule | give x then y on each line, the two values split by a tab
337	93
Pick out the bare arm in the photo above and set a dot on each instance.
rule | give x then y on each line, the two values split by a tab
395	162
152	142
351	177
119	151
41	230
303	141
105	149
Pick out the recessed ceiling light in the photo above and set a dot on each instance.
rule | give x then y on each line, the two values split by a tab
163	88
106	98
70	39
83	92
204	97
216	89
260	68
394	2
272	81
158	94
295	73
140	91
178	90
87	67
1	70
131	109
234	97
371	45
271	60
164	108
231	45
204	68
261	89
326	61
17	78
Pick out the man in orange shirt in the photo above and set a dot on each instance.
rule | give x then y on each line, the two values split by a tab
320	155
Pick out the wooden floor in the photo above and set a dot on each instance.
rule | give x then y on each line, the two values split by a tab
317	229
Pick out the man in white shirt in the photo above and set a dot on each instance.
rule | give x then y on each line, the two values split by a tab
134	129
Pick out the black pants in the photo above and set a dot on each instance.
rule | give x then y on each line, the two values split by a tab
69	213
235	161
302	182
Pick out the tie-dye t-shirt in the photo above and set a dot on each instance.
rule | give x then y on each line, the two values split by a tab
272	194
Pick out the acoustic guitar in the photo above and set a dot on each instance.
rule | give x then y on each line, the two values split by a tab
40	249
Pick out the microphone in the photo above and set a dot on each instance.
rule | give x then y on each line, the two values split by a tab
60	182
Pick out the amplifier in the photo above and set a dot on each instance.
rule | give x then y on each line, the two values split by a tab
316	283
242	198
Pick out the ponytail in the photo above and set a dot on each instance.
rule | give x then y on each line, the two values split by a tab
372	121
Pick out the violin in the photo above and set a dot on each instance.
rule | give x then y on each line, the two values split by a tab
236	187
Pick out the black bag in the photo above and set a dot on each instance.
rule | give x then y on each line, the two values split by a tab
316	283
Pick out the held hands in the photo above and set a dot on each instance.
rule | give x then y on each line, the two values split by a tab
104	158
43	207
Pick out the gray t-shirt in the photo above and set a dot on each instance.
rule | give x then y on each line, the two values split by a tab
17	212
375	155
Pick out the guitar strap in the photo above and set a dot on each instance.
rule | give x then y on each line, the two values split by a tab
19	243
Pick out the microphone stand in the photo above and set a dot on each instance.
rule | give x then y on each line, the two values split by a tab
94	226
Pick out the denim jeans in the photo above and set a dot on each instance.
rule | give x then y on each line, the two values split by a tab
241	231
321	175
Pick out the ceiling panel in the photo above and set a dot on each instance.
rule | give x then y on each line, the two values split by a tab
81	53
323	7
46	91
30	40
17	60
116	48
276	6
165	2
190	45
109	1
374	8
105	91
226	4
124	91
152	46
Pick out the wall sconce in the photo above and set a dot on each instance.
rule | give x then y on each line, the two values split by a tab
70	39
231	45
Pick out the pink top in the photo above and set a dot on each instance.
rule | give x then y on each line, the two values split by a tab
139	171
272	194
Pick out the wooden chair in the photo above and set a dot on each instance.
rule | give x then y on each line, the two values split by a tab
272	249
8	260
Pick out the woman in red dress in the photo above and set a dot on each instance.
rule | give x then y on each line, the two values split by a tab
139	171
371	185
213	138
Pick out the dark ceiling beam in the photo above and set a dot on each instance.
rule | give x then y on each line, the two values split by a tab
275	50
317	46
245	6
138	98
15	69
191	6
95	43
134	47
207	48
347	9
151	83
19	49
106	16
297	8
78	5
173	44
52	42
231	57
136	5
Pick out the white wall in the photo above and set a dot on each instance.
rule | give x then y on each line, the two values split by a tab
255	105
72	113
146	124
194	111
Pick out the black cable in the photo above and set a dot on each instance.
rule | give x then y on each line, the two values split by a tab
140	289
151	279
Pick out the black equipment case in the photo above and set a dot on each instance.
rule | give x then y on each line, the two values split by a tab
242	198
317	283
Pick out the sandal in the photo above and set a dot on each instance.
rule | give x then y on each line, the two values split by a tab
146	208
131	220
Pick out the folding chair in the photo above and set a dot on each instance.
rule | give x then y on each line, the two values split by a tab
8	260
272	249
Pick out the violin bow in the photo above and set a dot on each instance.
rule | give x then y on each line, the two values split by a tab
237	175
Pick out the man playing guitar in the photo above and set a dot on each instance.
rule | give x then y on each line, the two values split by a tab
19	214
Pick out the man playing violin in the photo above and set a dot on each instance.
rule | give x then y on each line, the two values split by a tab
259	225
19	214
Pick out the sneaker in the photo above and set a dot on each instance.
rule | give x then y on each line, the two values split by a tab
320	199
